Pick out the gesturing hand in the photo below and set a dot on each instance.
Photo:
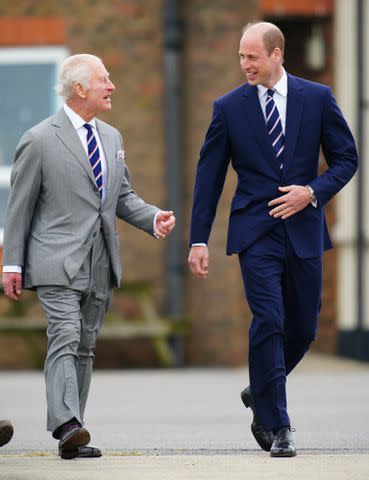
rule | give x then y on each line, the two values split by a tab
296	198
198	260
12	284
165	222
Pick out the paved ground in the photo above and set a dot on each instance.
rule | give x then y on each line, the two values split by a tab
190	424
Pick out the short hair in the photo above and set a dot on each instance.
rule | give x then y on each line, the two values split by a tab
76	68
272	36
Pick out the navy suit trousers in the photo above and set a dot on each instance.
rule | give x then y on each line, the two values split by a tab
284	294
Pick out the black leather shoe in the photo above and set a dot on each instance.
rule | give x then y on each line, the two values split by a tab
81	452
6	432
283	445
264	438
73	436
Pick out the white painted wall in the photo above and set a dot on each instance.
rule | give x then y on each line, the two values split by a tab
345	231
364	161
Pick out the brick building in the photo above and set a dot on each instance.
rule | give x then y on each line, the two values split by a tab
129	36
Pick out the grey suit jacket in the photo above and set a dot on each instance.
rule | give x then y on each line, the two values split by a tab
54	210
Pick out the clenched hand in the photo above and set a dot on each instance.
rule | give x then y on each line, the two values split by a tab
165	222
12	285
198	260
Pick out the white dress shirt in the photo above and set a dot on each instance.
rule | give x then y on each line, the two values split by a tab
280	99
78	123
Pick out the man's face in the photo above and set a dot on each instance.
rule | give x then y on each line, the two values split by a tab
256	64
100	88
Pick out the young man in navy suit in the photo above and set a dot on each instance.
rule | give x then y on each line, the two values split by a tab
272	129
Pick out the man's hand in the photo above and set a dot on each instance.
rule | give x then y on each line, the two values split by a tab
12	285
296	198
165	222
198	260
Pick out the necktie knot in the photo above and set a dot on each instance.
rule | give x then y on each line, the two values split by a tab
270	92
88	127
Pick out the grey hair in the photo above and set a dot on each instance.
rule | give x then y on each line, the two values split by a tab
75	69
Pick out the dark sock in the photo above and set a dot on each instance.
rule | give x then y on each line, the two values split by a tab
72	420
56	433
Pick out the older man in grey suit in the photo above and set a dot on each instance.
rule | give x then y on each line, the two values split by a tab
69	183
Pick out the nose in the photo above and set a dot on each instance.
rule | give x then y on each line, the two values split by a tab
244	64
111	86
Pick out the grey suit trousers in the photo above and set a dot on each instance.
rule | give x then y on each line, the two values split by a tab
74	317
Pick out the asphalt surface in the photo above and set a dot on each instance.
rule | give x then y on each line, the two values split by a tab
191	424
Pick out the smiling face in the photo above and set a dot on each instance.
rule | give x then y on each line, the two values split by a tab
88	101
259	67
100	89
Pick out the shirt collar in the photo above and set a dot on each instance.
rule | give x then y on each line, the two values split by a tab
280	87
76	120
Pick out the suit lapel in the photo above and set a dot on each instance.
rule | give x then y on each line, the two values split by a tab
257	123
109	151
68	135
295	102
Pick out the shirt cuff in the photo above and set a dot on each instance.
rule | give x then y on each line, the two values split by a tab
314	200
154	224
198	245
12	269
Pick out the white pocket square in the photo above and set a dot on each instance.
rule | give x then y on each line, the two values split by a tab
119	155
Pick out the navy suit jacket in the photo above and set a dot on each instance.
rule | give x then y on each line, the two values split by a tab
238	133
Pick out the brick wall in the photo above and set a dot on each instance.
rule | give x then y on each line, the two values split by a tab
300	7
217	306
127	35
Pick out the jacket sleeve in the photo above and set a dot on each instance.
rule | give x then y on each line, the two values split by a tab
339	152
133	209
24	192
210	176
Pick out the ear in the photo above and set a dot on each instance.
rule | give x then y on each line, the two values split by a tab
79	90
277	52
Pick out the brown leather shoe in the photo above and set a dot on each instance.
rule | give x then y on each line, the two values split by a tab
72	437
6	432
264	438
82	452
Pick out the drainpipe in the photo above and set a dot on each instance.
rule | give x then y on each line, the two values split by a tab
360	182
173	43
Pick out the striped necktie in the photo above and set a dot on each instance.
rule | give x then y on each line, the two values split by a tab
94	157
274	124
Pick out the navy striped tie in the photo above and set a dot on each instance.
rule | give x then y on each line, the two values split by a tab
94	157
274	124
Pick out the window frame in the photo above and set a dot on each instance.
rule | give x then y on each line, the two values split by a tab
30	55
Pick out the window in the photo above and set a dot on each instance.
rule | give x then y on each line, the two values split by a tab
27	96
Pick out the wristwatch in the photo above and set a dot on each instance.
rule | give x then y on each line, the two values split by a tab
313	198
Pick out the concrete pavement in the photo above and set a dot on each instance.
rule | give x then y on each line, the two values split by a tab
191	424
179	467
